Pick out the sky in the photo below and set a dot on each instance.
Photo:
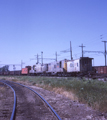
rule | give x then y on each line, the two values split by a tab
28	27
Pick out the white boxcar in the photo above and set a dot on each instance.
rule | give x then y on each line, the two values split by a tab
73	66
77	65
83	64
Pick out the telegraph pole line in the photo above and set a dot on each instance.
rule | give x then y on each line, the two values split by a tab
71	51
82	49
105	51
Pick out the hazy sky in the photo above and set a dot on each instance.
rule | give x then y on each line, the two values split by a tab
28	27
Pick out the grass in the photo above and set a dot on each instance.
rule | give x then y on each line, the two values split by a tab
91	92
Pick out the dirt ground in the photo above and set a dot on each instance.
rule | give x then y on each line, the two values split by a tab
68	109
29	105
6	105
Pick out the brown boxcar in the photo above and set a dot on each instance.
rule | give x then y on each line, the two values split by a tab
100	69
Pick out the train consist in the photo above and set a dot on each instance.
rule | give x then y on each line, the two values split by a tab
65	67
77	67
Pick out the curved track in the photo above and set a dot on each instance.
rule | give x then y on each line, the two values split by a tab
30	105
7	102
14	106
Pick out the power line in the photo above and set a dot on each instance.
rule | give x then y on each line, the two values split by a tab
68	50
93	51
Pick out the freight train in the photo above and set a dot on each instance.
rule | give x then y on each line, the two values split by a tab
5	71
77	67
64	67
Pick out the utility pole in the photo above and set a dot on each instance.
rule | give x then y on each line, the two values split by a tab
37	58
105	50
42	58
22	64
82	49
71	51
56	56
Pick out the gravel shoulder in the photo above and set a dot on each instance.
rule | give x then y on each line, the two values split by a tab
66	108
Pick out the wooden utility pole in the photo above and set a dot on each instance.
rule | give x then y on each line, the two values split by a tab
56	56
105	51
71	51
82	49
37	58
42	58
22	64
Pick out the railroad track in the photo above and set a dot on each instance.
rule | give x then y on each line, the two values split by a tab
27	104
6	105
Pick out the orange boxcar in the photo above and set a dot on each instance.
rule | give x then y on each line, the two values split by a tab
24	71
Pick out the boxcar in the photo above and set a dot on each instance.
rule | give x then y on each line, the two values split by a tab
100	69
81	65
24	71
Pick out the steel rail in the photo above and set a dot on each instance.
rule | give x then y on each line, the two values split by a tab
14	106
42	99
